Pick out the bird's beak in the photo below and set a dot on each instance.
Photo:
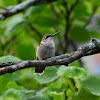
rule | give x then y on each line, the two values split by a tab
56	33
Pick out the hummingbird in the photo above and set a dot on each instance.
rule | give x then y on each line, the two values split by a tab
46	49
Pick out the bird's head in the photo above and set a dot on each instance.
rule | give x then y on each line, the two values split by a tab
49	37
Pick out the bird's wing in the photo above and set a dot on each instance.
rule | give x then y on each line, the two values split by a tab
37	51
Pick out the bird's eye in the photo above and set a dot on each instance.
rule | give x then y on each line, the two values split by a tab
46	37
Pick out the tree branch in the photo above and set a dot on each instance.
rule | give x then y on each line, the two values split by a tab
65	5
68	12
89	49
12	10
75	48
73	6
67	17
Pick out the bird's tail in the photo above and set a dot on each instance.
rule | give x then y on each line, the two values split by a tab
39	69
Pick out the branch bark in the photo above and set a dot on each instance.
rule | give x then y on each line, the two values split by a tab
12	10
74	46
89	49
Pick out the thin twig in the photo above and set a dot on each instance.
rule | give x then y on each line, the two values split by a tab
73	6
93	13
54	11
34	30
65	5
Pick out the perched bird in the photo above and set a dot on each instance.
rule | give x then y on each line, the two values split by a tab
46	49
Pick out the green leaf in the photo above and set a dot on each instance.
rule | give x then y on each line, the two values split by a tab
10	2
80	10
25	51
35	95
94	34
79	34
14	85
70	2
92	84
57	89
56	84
96	2
9	58
75	63
3	84
40	97
49	75
35	10
12	94
84	95
27	76
57	94
12	76
72	72
46	22
14	24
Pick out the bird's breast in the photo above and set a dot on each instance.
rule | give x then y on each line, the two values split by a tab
45	51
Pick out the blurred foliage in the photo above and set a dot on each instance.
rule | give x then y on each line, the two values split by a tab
20	35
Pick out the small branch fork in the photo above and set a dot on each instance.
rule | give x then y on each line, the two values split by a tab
89	49
68	13
12	10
